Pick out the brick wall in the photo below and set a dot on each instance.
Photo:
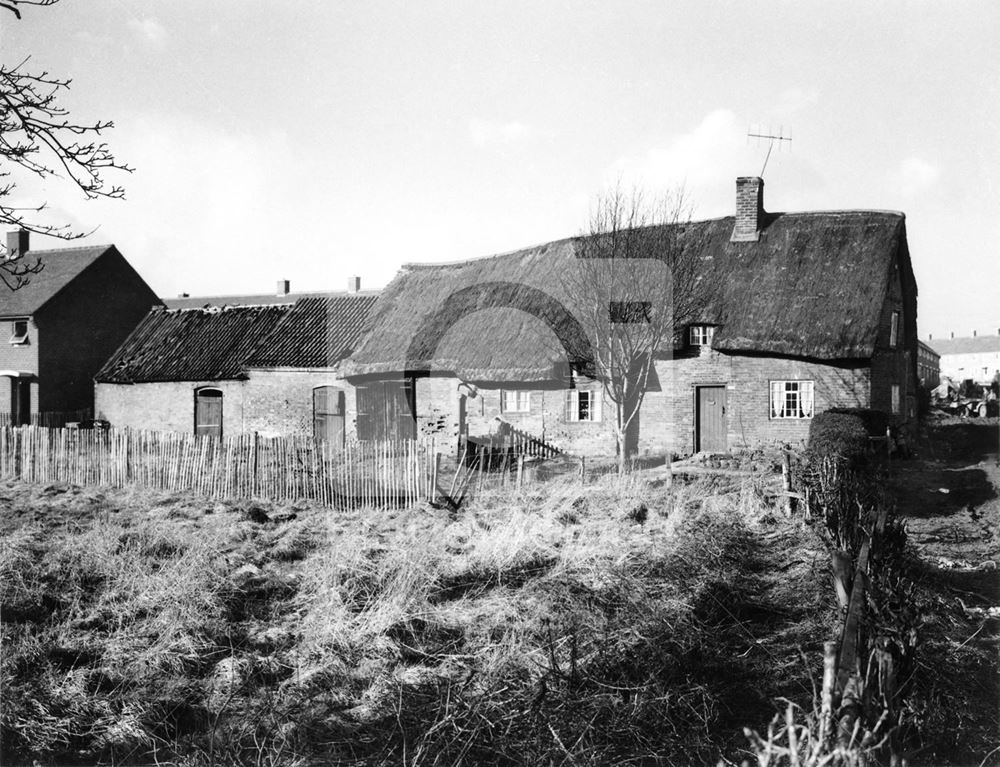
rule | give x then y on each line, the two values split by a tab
667	419
82	327
19	358
167	406
280	402
890	365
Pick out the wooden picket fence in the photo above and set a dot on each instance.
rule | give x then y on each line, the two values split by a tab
355	475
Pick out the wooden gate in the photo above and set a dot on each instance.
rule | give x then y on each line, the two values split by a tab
710	419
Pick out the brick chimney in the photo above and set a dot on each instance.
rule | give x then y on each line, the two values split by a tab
17	243
353	284
749	209
284	287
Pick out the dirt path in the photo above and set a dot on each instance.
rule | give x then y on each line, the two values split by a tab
950	498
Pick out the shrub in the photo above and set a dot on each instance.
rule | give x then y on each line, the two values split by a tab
838	434
874	421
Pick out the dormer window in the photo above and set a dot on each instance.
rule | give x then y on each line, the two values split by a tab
19	332
701	335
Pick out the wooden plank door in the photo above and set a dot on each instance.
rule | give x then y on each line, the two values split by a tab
710	419
386	410
328	415
208	413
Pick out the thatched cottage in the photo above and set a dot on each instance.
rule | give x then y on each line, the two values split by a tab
795	313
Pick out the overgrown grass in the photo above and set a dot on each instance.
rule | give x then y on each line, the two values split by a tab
615	623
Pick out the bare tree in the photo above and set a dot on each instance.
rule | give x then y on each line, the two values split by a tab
39	138
629	285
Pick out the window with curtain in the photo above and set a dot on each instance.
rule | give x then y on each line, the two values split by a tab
792	399
583	405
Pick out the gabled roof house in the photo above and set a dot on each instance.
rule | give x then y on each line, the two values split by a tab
793	313
266	368
61	326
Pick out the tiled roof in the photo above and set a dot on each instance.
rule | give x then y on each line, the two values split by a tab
268	299
317	332
969	345
59	268
191	344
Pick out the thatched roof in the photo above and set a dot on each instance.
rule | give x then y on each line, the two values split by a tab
812	287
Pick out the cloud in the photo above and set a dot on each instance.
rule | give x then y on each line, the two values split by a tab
198	206
149	30
916	176
488	133
706	158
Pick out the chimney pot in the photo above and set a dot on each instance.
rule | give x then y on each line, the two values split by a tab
284	287
973	333
749	209
18	243
952	334
353	284
930	336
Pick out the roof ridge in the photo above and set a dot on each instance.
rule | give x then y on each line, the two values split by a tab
74	249
804	213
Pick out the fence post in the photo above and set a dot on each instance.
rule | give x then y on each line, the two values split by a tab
583	470
520	471
786	481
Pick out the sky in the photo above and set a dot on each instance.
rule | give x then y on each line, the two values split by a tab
310	141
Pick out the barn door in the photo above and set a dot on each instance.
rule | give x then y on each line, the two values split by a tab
328	414
386	410
710	419
208	413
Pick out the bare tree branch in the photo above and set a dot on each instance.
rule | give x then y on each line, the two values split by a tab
629	286
39	137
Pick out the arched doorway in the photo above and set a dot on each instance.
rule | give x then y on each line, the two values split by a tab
328	414
208	413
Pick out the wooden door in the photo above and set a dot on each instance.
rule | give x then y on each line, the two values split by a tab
328	414
710	419
20	402
208	413
386	410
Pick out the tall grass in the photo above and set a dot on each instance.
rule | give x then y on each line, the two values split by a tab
596	624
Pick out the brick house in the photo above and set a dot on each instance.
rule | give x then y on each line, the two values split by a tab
975	357
226	370
62	325
796	313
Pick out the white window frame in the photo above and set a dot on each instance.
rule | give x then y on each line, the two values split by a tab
893	330
896	399
701	335
594	411
792	399
18	339
515	401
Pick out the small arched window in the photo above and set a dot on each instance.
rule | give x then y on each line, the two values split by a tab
208	413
